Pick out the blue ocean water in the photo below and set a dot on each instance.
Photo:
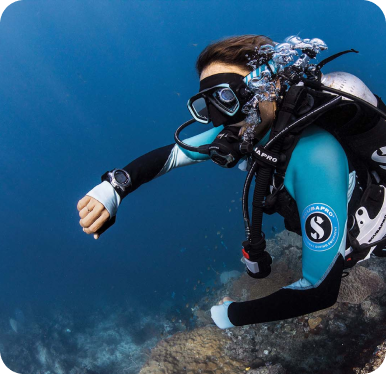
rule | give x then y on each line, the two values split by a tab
87	86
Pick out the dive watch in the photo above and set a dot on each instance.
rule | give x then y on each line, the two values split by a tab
119	179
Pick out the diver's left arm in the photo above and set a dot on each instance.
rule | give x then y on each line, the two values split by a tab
153	165
317	178
99	207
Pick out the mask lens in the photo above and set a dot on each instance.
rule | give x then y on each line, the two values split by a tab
200	110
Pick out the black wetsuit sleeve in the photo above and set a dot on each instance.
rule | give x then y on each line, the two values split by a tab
162	160
145	168
289	303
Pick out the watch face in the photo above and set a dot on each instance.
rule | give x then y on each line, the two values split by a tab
120	177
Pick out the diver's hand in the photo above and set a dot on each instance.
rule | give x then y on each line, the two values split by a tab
98	209
93	215
219	313
226	298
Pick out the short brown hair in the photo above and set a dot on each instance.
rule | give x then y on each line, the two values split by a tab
232	51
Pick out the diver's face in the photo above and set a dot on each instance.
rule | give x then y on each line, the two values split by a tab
267	108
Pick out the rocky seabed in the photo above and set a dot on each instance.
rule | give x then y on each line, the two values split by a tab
347	338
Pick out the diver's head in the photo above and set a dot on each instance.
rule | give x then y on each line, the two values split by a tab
223	67
236	51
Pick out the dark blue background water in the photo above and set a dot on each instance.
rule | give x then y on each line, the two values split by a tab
86	86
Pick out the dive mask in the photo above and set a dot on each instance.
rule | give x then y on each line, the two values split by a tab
220	99
225	98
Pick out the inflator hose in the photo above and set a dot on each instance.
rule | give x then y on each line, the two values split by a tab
202	149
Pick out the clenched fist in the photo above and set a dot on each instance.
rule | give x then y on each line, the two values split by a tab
93	215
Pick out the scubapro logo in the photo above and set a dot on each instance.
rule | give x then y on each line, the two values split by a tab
380	156
315	222
320	227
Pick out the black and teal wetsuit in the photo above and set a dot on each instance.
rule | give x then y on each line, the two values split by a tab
317	178
314	201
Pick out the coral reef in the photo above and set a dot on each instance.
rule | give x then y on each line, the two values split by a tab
348	337
226	276
375	362
337	340
110	341
198	351
359	285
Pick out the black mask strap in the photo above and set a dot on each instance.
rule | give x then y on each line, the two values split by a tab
232	79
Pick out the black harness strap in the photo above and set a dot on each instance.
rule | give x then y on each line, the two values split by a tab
254	246
264	174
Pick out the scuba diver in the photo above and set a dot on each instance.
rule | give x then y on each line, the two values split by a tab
315	144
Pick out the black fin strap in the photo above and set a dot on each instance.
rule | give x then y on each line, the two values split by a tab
333	57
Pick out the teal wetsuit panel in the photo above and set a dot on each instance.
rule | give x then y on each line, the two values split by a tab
317	178
206	137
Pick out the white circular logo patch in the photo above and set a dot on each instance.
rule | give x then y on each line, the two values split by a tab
320	227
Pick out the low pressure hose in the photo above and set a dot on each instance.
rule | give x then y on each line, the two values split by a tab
203	149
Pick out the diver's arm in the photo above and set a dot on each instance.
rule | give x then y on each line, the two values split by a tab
154	164
162	160
142	170
317	177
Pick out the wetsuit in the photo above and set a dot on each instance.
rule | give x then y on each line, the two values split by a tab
317	177
318	180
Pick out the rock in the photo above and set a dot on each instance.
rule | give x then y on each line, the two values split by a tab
281	276
269	369
226	276
197	351
314	322
375	361
338	328
203	317
286	239
310	344
371	310
360	284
